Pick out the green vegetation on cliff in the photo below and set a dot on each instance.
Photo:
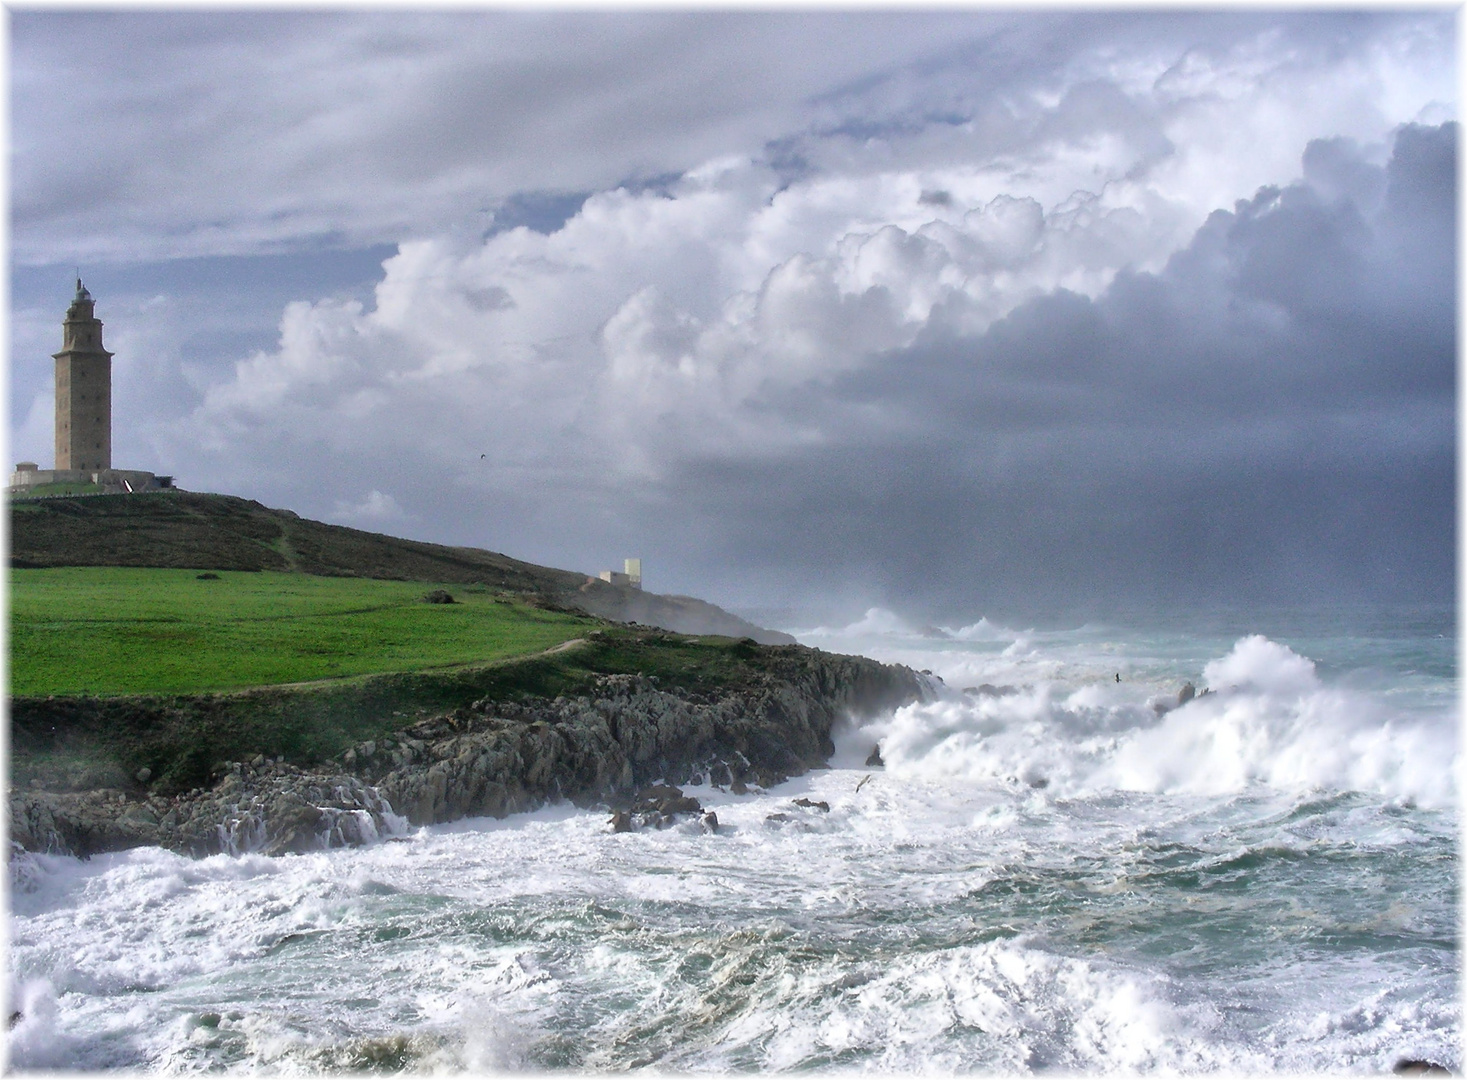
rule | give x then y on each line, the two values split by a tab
49	490
174	632
77	742
116	630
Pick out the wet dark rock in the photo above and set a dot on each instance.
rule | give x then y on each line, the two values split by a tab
709	822
610	745
822	805
621	821
767	778
653	795
1162	706
873	759
990	690
658	806
284	811
1419	1067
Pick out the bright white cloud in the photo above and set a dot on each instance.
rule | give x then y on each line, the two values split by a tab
374	511
823	262
657	324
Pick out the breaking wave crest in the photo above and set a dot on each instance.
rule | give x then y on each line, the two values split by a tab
1055	871
1263	717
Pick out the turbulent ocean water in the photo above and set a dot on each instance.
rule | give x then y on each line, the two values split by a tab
1054	870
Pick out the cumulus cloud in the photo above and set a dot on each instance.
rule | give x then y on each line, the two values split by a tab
375	511
1001	373
1056	310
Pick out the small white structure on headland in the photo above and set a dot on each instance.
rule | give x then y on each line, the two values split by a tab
631	574
84	412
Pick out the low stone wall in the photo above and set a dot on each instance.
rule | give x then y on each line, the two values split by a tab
22	480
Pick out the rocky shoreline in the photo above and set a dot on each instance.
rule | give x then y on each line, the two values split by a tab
491	758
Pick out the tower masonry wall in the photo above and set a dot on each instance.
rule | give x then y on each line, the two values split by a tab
83	391
83	412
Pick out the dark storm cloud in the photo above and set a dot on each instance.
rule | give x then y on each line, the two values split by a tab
1272	416
911	307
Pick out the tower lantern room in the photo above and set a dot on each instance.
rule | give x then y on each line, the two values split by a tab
83	390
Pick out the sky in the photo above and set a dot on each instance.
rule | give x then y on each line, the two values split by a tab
957	312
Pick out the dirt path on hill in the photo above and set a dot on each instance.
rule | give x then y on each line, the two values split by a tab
473	665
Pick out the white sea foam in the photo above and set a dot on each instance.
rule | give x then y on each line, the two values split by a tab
1006	1006
1047	875
877	622
982	630
1265	718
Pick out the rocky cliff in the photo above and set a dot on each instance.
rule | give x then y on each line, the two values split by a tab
490	758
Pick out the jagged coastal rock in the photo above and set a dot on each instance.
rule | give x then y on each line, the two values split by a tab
490	758
273	810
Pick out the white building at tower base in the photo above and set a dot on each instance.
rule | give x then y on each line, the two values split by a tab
29	475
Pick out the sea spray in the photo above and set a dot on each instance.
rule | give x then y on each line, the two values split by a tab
1039	879
1263	718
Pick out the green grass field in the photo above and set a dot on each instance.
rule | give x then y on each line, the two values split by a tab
110	630
63	489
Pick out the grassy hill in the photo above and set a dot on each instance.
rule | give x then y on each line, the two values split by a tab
187	530
221	532
77	742
177	631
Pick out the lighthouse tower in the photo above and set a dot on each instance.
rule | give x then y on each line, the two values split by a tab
83	418
83	390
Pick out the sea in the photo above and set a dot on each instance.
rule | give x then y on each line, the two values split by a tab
1065	862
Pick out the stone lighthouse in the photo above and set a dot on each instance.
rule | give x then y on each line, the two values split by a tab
83	390
83	417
